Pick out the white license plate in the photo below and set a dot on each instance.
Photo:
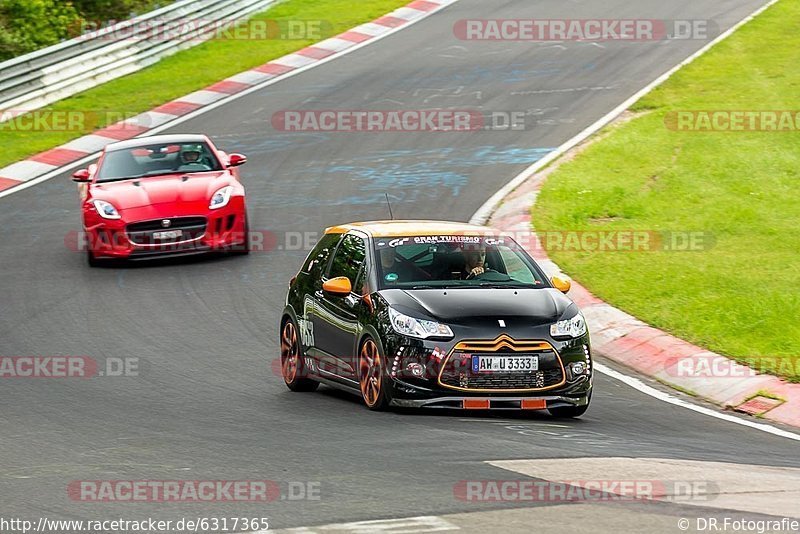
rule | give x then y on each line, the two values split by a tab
168	234
504	364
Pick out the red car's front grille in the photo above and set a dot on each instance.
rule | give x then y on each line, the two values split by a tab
145	232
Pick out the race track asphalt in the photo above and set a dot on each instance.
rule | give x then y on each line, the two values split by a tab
206	404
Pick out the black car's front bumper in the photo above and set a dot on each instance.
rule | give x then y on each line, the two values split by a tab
493	403
555	387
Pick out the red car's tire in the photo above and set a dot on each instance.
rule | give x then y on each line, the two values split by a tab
91	260
244	248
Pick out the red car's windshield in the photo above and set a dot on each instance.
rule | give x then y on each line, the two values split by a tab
153	160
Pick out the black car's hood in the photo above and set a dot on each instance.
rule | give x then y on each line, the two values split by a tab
535	306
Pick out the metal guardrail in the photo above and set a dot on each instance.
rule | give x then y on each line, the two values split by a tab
34	80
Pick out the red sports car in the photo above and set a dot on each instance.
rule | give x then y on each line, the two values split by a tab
163	195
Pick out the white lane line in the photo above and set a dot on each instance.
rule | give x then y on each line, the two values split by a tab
406	525
231	98
488	207
638	385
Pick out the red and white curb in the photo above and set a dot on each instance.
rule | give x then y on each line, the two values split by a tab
624	339
45	163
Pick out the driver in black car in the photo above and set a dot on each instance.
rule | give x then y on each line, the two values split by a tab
474	259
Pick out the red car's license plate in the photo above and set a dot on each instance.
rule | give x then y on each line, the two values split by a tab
167	234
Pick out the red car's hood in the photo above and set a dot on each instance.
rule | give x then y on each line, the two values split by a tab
170	189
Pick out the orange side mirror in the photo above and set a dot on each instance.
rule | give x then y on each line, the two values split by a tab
561	282
339	287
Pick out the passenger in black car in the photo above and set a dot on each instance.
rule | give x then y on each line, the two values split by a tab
395	269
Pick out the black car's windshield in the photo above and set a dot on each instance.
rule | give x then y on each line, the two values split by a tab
160	159
428	262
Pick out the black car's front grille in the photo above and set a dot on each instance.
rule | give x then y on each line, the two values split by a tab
529	380
457	372
146	232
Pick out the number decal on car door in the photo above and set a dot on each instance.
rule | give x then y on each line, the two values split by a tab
306	332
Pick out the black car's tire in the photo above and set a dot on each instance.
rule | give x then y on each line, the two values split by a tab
569	411
292	367
371	376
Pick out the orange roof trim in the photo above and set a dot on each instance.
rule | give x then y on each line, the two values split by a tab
412	228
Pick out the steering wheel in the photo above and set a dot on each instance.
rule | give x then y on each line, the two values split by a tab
477	276
490	275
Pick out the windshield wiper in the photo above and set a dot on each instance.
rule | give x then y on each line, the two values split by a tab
120	178
504	285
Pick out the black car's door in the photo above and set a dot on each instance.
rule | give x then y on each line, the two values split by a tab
335	319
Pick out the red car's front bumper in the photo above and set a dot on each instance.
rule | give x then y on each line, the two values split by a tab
135	237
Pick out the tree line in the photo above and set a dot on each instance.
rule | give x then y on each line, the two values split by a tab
28	25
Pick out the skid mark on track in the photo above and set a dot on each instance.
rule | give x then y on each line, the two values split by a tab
435	173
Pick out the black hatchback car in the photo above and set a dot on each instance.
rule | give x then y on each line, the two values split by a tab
434	314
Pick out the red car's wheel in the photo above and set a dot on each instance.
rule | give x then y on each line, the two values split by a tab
90	258
370	376
292	367
243	248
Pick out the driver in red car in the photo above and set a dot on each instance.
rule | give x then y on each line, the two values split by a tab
191	159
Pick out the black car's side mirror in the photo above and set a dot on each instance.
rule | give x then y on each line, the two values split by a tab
338	287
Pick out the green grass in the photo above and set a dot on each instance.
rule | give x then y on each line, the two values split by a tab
741	296
194	69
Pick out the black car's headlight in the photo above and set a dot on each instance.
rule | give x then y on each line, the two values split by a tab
419	328
573	327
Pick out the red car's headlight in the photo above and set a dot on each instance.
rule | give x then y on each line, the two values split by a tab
105	209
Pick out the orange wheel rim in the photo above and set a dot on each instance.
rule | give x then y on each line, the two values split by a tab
369	373
290	352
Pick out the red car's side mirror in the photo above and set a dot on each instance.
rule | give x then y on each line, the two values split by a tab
234	160
81	175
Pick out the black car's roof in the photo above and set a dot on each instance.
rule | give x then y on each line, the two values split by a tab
403	228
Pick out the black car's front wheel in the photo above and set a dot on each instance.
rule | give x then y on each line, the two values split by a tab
371	376
570	411
292	367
